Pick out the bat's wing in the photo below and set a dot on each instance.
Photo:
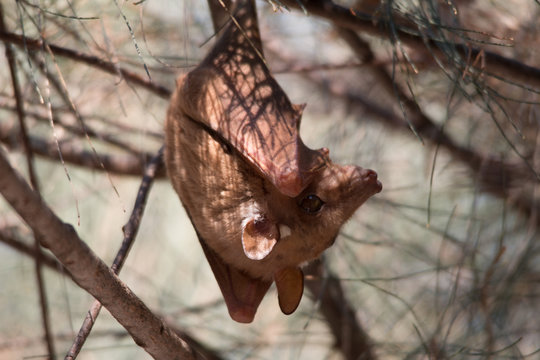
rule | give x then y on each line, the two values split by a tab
233	93
242	293
259	122
233	96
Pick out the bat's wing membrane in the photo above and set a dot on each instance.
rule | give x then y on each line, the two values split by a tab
233	93
242	293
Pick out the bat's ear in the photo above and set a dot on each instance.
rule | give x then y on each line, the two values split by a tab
290	287
259	235
180	79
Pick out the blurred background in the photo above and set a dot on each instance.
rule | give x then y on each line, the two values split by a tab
441	98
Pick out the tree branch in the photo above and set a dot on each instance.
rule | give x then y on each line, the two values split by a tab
496	65
130	232
91	60
89	272
350	337
8	237
493	175
75	154
19	105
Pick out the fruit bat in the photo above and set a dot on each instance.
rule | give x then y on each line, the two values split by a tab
262	203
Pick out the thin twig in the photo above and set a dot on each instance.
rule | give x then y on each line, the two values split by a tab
108	137
349	335
8	237
91	60
114	127
84	129
498	64
61	87
19	104
129	165
130	232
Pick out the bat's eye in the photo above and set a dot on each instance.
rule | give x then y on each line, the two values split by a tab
311	204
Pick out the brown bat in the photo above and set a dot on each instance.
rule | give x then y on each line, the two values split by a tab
262	203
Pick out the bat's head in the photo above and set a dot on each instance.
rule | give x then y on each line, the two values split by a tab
332	197
292	230
284	232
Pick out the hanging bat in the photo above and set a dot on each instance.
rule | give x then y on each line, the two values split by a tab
262	203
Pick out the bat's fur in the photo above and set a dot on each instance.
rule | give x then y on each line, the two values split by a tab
234	155
221	189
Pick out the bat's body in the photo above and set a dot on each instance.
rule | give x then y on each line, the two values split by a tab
261	201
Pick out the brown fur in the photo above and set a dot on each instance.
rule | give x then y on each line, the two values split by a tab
233	153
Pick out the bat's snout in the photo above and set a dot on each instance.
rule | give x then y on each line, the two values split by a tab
371	178
365	179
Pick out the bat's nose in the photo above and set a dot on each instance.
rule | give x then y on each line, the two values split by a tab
371	177
367	177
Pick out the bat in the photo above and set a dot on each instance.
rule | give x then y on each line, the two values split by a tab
262	203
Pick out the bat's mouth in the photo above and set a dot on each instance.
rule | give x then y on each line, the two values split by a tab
370	178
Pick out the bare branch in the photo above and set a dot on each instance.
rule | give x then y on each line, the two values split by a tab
19	104
8	237
77	155
89	272
350	337
130	232
91	60
496	65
